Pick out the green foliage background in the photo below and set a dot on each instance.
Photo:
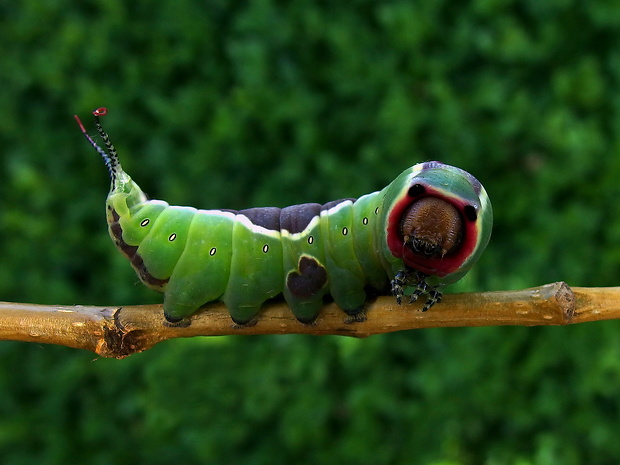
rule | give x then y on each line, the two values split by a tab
237	104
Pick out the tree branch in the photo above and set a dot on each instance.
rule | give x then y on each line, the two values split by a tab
121	331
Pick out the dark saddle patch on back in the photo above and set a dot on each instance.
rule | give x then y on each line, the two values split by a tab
297	217
265	217
294	219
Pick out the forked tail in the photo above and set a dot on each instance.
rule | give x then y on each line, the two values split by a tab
110	157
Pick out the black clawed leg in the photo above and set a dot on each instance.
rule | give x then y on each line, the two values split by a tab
421	289
434	297
398	285
414	279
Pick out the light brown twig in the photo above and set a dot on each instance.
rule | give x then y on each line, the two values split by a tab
121	331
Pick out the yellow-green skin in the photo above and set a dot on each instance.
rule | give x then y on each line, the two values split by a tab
198	256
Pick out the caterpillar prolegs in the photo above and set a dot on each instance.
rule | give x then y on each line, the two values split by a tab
425	229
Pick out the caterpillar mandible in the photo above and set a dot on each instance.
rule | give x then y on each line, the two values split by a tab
426	229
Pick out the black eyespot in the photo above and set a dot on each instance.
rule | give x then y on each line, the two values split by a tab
470	212
415	190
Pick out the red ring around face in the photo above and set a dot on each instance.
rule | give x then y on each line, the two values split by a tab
433	266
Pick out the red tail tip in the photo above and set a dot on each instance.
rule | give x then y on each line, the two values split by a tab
80	123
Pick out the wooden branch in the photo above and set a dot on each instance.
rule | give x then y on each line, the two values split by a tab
121	331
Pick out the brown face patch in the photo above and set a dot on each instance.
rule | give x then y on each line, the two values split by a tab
309	280
432	227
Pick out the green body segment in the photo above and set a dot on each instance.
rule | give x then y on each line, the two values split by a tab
347	278
366	234
208	252
161	249
256	272
134	231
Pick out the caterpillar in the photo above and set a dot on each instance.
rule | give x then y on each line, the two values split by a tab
426	229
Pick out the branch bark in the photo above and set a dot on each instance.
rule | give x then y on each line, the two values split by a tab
121	331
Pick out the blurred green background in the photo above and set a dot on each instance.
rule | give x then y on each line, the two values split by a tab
238	104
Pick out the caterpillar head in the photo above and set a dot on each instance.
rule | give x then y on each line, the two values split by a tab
438	219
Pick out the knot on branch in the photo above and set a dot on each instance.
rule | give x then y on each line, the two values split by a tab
565	297
118	341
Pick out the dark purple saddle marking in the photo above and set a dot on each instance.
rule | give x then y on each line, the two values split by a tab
294	219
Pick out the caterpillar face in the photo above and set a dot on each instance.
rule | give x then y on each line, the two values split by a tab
431	228
425	229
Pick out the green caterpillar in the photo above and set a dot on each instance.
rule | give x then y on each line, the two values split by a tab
425	229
